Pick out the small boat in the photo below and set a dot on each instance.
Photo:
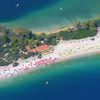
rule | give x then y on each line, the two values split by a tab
61	8
47	82
17	5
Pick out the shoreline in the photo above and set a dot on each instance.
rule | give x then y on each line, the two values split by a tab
63	51
34	70
54	31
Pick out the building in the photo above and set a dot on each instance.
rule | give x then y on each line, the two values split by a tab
33	50
41	48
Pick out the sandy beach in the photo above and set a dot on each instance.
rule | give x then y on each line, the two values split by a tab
54	31
64	50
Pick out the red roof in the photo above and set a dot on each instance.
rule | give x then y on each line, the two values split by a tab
33	50
42	47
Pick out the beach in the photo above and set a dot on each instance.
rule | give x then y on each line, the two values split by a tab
64	50
54	31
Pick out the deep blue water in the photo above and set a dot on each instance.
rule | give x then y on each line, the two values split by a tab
78	79
46	15
9	11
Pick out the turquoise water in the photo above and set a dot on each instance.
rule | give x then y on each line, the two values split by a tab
77	79
45	15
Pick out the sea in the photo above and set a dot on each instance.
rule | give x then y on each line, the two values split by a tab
46	15
76	79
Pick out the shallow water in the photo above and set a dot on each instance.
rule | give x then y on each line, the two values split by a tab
46	15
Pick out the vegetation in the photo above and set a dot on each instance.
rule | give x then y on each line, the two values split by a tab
15	64
78	34
14	41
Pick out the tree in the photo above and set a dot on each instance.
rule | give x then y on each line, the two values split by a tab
93	29
41	37
30	35
34	36
85	25
78	26
3	62
39	55
13	40
7	40
15	64
25	41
